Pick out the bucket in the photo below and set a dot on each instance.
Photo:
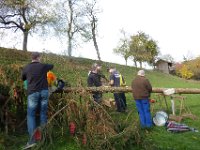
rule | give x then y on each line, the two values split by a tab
160	118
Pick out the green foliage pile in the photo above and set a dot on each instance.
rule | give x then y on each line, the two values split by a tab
93	123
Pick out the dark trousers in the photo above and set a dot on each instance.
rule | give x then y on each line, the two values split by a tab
119	102
123	97
97	97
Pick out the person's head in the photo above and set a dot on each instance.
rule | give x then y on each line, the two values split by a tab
111	69
141	73
96	67
35	56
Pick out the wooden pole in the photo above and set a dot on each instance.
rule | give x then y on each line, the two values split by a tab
104	89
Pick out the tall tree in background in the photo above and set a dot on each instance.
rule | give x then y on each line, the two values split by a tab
70	21
24	15
91	32
72	27
123	47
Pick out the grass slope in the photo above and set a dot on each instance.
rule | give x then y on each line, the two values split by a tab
75	71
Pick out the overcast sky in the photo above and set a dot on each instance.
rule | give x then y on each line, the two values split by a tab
174	24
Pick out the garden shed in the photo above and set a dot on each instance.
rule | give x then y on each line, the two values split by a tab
164	66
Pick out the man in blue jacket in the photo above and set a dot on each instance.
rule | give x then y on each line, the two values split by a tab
36	75
115	82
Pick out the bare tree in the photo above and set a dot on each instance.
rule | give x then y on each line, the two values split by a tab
24	15
91	12
70	21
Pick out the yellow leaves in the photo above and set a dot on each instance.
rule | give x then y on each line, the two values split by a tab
185	72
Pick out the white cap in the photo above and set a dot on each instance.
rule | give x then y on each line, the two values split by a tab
141	73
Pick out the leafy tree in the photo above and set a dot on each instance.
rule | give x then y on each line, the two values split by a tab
138	47
152	50
123	47
143	48
25	15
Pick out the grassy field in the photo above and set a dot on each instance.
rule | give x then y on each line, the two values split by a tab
75	72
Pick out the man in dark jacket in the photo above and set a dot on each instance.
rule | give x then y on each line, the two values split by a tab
36	75
142	89
94	80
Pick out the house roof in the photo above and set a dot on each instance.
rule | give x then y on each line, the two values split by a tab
163	60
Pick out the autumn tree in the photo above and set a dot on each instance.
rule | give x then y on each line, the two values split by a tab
25	15
194	67
185	72
143	48
138	48
123	48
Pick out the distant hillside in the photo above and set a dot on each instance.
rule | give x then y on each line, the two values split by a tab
75	70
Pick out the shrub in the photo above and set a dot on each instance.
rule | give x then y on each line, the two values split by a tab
184	72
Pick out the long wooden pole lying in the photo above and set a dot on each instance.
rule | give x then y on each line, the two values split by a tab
128	89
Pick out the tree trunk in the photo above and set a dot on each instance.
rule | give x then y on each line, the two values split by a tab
25	40
69	47
135	63
93	24
69	30
128	89
140	65
96	47
126	61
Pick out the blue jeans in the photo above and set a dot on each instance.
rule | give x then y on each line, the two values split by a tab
143	107
35	100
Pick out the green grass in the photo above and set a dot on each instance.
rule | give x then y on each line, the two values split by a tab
75	71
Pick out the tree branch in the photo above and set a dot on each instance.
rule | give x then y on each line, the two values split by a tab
8	16
24	15
8	27
3	21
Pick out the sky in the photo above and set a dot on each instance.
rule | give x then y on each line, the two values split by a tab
174	24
